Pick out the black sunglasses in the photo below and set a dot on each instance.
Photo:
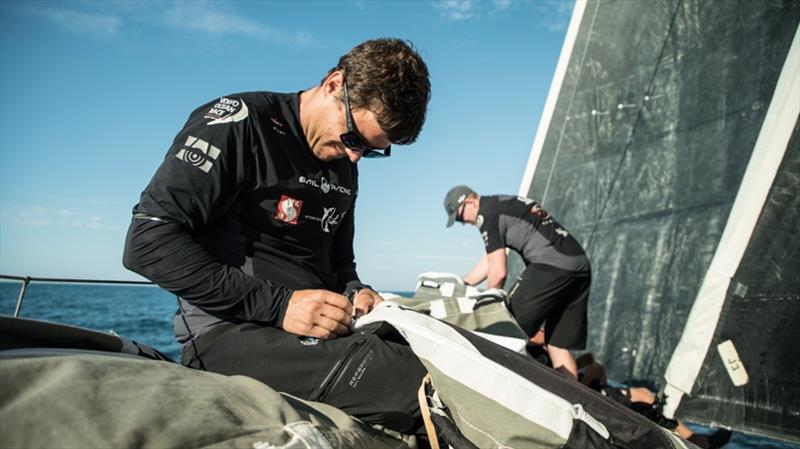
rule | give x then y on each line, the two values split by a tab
353	140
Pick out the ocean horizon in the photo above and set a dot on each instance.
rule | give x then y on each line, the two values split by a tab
143	313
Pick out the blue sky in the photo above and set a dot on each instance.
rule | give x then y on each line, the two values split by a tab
92	94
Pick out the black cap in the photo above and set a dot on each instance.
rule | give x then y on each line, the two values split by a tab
453	200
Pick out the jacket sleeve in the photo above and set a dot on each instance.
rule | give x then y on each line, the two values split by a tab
198	181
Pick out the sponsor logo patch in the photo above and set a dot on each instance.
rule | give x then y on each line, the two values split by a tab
329	218
288	209
199	153
227	110
539	212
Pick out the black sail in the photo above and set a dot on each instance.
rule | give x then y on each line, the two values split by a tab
649	136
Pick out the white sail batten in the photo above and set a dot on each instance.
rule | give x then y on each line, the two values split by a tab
773	139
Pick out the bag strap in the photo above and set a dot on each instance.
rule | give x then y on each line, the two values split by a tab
426	412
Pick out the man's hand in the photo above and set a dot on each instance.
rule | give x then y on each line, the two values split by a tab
366	299
318	313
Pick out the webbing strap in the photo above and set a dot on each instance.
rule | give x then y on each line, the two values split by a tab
426	413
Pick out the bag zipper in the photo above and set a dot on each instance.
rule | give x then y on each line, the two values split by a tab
319	393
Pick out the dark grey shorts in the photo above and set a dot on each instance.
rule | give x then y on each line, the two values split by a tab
558	298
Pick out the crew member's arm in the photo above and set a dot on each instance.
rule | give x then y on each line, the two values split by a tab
343	262
494	242
478	273
168	254
497	268
198	182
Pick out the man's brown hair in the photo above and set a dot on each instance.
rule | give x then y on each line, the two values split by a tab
388	77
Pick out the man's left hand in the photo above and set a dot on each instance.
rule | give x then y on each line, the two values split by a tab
365	300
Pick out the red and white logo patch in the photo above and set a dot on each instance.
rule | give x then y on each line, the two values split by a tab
288	209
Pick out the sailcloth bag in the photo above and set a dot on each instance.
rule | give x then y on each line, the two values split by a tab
501	399
446	297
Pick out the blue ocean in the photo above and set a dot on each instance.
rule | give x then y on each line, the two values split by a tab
144	314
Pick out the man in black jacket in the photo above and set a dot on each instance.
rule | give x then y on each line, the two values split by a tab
249	219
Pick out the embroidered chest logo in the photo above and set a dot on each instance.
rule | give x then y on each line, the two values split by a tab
199	153
329	218
324	185
288	209
227	110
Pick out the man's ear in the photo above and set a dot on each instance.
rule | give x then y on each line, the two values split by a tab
333	82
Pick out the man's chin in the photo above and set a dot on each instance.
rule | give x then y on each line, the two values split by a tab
327	154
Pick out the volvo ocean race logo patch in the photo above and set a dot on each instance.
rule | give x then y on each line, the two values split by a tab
288	209
227	110
199	153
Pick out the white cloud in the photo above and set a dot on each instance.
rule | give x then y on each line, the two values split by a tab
554	15
201	17
82	22
457	10
40	216
500	5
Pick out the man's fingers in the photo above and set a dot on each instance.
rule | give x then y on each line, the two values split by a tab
331	326
363	305
338	301
365	301
334	313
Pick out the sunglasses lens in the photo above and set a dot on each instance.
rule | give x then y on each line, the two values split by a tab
354	142
370	154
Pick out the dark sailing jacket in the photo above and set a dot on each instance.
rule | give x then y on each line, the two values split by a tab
241	213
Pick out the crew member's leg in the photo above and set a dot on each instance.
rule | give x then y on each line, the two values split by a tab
351	373
545	293
565	329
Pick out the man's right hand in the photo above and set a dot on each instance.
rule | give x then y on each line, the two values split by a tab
318	313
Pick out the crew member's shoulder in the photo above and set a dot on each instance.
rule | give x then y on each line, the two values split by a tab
240	106
513	205
489	204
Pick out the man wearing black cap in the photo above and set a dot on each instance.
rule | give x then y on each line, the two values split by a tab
554	287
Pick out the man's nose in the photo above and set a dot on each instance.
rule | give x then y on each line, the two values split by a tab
354	156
